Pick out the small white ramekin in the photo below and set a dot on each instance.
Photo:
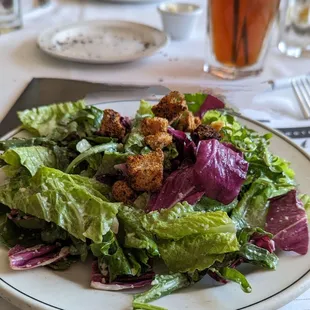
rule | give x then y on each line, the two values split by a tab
179	19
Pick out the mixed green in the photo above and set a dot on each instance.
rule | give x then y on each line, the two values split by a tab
183	183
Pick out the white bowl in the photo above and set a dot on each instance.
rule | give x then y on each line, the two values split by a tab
179	19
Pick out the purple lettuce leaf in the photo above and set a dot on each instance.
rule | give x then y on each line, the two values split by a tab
287	221
22	258
185	147
210	103
178	187
263	241
101	282
219	171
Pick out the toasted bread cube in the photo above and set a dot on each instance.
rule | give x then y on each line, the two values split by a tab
205	132
111	125
146	171
159	140
151	126
122	192
171	106
188	122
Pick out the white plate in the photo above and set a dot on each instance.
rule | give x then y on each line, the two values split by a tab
102	42
45	289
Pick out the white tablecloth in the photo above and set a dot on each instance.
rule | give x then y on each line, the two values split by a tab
180	63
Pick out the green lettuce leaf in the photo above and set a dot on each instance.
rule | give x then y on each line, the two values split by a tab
112	257
76	204
234	275
244	235
109	160
143	306
258	256
253	206
51	121
32	158
135	236
180	221
25	142
134	143
197	251
306	201
145	109
163	285
195	101
53	233
209	205
110	147
142	201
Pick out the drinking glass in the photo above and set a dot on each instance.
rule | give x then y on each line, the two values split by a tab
294	28
10	15
238	36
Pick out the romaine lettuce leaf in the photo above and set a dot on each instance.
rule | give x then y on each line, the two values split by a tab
209	205
305	199
113	259
25	142
197	251
136	236
109	160
145	109
32	158
181	221
163	285
76	204
134	143
258	256
143	306
52	120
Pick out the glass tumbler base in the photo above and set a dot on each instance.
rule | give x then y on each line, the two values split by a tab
231	73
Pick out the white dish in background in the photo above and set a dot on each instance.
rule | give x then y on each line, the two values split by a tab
43	289
102	42
179	19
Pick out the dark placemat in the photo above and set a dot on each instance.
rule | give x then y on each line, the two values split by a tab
43	91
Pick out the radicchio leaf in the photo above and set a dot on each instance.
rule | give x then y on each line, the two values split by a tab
263	241
22	258
219	171
178	187
287	221
185	147
101	282
210	103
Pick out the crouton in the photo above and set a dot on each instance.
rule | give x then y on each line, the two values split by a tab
122	192
151	126
146	171
111	125
159	140
217	125
188	122
171	106
205	132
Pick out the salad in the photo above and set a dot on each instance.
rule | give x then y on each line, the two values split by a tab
182	184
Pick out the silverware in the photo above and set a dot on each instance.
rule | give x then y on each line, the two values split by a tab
301	87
